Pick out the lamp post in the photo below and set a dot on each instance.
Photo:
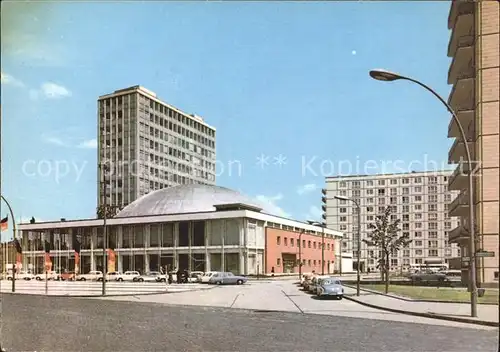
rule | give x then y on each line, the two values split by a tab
300	255
387	76
358	266
104	169
14	232
323	225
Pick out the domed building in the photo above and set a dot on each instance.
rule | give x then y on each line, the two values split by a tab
195	227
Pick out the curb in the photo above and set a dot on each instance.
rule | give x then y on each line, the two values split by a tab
418	300
426	315
108	295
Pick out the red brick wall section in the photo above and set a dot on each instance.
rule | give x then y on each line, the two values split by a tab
279	242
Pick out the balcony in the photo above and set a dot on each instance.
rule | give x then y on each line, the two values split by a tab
457	151
464	26
458	9
463	58
459	179
459	206
462	94
465	117
458	234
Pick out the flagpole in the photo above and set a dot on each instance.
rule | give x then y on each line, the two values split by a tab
14	232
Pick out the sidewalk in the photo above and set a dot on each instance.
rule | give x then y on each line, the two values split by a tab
460	312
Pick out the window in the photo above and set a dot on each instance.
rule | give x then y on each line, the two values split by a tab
418	225
309	244
406	190
432	189
418	261
381	191
343	218
285	241
369	200
418	252
343	210
432	180
433	234
433	252
406	200
342	184
433	216
406	226
433	226
418	198
418	216
418	206
417	189
394	182
278	261
369	183
406	217
447	225
394	200
278	240
394	191
314	244
369	209
381	201
432	244
418	243
406	181
369	192
343	227
369	218
381	183
432	207
291	242
417	180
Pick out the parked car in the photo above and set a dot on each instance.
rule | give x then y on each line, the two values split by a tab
67	276
315	283
227	278
147	277
195	276
22	275
307	281
51	275
91	276
205	279
330	287
113	275
128	276
428	276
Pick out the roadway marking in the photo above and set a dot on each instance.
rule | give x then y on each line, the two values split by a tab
234	301
291	300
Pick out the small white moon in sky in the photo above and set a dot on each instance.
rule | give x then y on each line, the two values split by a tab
353	52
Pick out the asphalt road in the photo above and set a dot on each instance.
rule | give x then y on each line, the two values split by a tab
31	323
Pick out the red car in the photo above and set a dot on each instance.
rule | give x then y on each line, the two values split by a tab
68	276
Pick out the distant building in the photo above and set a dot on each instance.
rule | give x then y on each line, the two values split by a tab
148	145
475	96
420	200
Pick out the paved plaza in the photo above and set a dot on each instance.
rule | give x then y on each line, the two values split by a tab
284	296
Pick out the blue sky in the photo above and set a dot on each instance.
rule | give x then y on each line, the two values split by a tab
288	81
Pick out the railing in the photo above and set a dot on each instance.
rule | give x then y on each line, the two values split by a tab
463	42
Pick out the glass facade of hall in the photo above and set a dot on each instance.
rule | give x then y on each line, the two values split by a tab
192	245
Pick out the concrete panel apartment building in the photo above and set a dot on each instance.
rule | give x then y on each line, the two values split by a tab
420	200
474	76
150	145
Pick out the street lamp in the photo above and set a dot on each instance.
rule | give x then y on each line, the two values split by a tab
387	76
323	225
104	168
358	266
14	232
300	255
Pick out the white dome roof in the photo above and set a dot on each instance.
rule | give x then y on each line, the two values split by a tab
182	199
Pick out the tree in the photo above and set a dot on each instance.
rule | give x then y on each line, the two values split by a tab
111	211
385	235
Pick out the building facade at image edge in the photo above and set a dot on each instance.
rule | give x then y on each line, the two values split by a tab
194	227
474	73
148	145
419	199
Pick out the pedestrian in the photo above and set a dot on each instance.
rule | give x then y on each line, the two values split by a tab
179	276
170	278
272	271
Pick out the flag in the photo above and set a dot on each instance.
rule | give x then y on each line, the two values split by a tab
48	260
4	224
77	248
111	260
19	254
